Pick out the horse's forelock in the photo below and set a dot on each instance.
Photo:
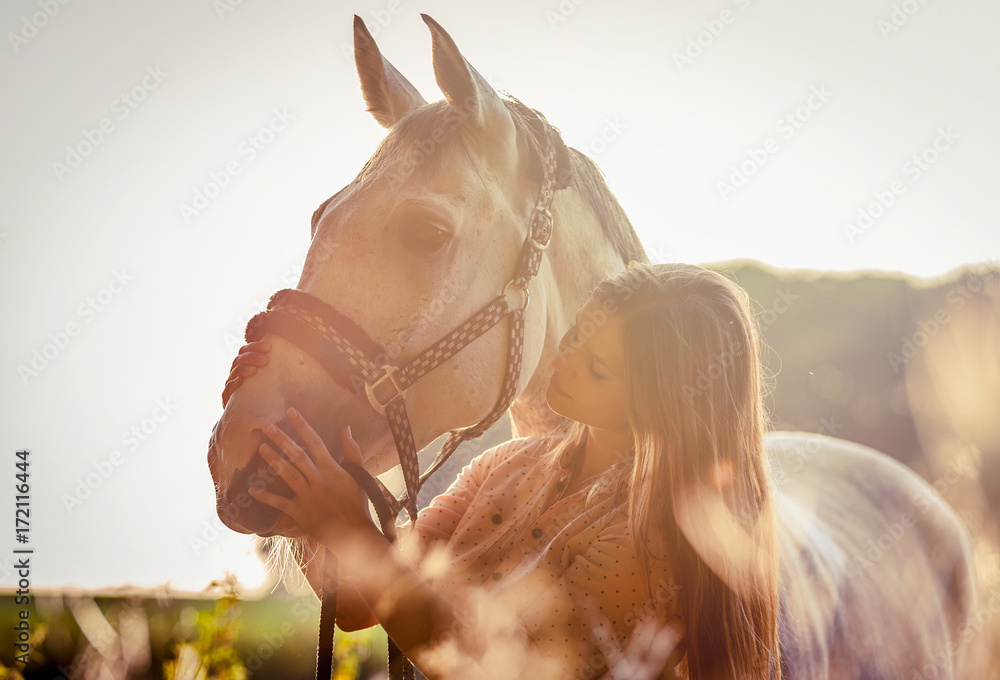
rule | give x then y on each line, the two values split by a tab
414	148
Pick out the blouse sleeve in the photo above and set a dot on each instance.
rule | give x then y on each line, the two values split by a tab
437	522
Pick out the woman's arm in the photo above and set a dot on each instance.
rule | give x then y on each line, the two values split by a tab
330	507
414	615
430	628
352	611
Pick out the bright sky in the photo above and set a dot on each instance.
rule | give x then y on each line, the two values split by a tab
853	135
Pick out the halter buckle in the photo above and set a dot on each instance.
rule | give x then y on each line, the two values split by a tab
371	389
546	215
520	285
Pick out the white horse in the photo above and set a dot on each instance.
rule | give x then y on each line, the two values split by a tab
876	570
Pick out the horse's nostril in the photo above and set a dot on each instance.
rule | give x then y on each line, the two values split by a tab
250	512
247	510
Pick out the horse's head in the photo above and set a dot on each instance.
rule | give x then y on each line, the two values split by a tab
426	234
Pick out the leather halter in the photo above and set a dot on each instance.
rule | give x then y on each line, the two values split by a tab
354	360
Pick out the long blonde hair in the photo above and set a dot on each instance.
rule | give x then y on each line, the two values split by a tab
699	487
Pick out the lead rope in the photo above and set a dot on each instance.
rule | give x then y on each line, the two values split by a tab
326	662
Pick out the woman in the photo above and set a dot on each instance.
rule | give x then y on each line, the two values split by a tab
647	519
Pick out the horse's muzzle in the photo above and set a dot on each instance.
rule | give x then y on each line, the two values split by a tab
237	508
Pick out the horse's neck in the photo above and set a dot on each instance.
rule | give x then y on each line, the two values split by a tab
579	257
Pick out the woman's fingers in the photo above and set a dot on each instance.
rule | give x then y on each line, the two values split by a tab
314	444
287	471
254	353
236	378
242	371
651	648
352	451
249	358
299	458
672	636
230	387
286	505
257	346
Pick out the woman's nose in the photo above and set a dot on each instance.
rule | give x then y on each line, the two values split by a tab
559	363
564	360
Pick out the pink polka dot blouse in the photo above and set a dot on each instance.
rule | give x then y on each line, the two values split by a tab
536	559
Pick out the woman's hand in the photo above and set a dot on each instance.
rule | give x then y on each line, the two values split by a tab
653	649
328	504
250	357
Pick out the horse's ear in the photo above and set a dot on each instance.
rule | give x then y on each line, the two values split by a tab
471	97
387	93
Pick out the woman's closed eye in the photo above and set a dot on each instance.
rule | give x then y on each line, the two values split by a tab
573	338
594	372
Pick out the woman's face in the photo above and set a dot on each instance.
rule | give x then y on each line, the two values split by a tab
588	380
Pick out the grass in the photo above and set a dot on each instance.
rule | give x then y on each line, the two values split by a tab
219	637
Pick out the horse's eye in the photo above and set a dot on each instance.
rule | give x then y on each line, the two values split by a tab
426	237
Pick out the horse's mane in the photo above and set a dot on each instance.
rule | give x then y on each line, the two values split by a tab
586	178
413	150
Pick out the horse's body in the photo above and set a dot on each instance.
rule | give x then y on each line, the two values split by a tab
876	569
464	167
